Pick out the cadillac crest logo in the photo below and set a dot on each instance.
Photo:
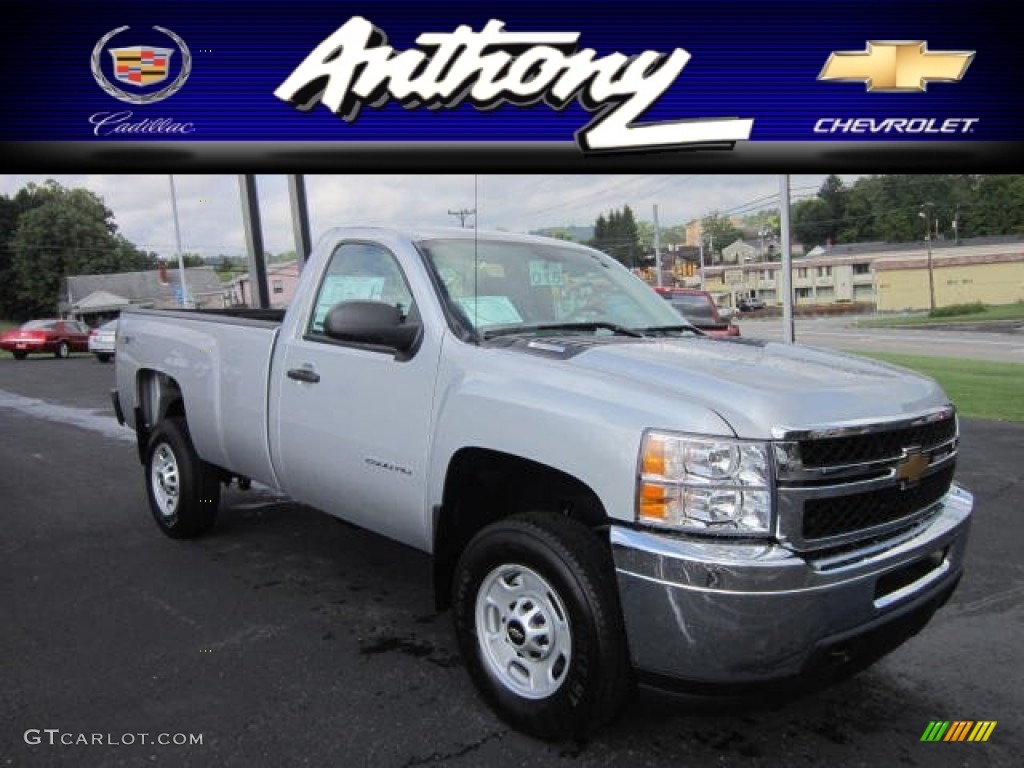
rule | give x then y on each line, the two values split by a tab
140	66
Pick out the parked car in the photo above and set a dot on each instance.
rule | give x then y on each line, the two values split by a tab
700	310
59	337
102	341
608	495
749	304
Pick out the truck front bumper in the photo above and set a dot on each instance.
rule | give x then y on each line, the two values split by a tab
723	613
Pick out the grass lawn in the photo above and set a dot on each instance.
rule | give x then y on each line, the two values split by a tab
998	312
980	390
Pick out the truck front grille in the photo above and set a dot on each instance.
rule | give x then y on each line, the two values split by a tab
860	449
844	484
827	517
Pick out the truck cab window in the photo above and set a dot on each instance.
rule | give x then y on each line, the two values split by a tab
360	272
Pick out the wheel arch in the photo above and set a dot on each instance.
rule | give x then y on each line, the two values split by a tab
482	486
158	397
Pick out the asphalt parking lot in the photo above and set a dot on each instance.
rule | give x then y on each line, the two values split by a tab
287	638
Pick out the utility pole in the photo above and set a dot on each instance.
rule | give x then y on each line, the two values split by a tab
177	242
788	334
956	226
462	214
702	264
925	210
657	245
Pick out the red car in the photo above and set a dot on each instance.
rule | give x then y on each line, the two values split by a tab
700	310
61	337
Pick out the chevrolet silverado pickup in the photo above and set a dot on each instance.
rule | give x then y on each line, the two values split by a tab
608	495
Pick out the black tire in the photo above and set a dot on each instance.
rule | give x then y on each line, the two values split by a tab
595	681
63	350
20	355
193	508
103	357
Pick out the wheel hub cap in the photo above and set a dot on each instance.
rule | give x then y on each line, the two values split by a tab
164	481
523	631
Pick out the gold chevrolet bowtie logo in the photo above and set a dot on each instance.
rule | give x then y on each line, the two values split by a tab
893	66
912	467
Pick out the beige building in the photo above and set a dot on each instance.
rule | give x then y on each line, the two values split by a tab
893	280
992	278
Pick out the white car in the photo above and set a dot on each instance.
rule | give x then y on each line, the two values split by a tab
102	340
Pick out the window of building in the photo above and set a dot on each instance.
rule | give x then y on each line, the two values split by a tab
279	286
862	269
824	271
803	293
801	272
768	274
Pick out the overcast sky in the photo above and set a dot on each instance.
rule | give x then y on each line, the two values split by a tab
211	222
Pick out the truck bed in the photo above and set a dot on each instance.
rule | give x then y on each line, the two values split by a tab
220	359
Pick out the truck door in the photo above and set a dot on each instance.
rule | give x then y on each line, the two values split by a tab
352	423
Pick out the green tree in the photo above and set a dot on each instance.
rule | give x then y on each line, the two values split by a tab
833	195
11	209
69	232
618	236
718	232
812	223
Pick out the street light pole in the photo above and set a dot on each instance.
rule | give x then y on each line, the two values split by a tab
928	242
177	240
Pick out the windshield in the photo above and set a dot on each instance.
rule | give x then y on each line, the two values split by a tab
494	285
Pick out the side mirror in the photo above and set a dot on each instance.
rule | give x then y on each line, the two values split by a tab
371	322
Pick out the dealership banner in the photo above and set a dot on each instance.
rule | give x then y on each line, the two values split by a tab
710	85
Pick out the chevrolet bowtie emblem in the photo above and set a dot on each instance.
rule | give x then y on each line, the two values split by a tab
912	467
893	66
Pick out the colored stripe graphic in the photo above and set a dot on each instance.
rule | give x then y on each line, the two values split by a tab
935	730
958	730
982	730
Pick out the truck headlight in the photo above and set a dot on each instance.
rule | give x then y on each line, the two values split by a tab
706	484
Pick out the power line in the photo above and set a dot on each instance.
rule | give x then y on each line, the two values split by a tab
462	214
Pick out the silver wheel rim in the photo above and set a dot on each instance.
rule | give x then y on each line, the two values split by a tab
62	350
523	631
164	480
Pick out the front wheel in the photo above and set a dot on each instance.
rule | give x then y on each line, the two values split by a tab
103	357
63	350
183	490
538	623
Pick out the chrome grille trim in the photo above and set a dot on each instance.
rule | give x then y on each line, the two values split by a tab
798	485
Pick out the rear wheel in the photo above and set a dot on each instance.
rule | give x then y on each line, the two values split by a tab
538	623
20	355
63	350
103	357
183	490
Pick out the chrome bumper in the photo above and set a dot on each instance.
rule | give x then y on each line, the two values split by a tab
735	613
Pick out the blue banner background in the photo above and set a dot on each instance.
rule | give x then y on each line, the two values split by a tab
749	59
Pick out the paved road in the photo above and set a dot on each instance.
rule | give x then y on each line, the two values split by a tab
286	638
840	333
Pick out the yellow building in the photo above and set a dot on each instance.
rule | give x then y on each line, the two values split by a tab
993	278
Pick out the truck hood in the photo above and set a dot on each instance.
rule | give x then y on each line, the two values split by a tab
760	386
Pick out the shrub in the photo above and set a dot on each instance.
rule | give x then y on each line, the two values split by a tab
955	310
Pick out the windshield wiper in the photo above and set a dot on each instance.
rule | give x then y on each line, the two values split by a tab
667	329
620	330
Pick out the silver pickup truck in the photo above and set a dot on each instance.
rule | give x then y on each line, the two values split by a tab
608	494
